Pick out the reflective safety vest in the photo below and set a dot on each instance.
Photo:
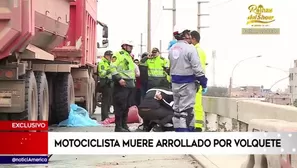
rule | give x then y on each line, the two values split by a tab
167	65
198	107
123	65
202	56
104	69
156	66
168	77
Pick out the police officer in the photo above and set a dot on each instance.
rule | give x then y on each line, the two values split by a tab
104	74
157	66
185	70
143	75
123	75
198	108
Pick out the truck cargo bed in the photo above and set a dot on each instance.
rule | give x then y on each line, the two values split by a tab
66	29
35	22
80	46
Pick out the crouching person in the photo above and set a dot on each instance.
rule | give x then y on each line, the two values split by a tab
156	110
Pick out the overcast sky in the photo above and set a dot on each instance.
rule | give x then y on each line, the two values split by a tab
127	19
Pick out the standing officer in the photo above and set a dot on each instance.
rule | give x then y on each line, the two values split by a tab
198	108
185	70
143	75
157	66
105	83
123	75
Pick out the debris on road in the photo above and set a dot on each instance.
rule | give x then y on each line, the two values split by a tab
78	117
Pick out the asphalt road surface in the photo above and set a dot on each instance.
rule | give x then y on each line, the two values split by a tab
111	161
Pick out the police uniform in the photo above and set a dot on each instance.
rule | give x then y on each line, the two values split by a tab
156	69
104	74
143	74
123	67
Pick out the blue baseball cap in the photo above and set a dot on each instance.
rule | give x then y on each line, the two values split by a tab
171	43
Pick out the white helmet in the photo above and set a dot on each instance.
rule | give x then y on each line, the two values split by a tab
127	42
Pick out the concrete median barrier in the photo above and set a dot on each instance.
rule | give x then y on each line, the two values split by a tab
232	114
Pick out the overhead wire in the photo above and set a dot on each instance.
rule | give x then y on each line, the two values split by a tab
222	3
160	16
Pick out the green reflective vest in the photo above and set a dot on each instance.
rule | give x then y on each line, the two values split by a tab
202	56
123	66
167	65
156	66
104	69
198	107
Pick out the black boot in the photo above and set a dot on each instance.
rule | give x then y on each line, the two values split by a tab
125	125
119	127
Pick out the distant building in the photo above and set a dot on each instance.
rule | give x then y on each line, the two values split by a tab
248	91
282	99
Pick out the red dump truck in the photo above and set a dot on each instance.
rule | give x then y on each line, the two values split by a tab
47	57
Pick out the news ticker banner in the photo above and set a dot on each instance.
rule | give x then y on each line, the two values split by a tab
31	139
222	143
110	143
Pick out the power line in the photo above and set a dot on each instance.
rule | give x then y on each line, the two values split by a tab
160	16
173	9
223	3
158	22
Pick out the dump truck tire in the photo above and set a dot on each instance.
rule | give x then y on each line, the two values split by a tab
43	96
31	100
64	96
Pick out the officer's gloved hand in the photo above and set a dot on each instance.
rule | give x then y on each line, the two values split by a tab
204	90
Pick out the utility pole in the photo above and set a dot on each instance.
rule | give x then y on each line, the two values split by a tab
199	27
149	11
160	47
141	43
199	16
173	9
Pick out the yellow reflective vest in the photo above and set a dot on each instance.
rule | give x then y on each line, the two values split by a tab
198	107
156	66
104	69
123	67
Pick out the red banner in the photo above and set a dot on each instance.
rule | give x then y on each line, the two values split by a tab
23	125
24	143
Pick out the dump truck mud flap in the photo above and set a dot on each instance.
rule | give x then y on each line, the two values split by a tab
12	96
